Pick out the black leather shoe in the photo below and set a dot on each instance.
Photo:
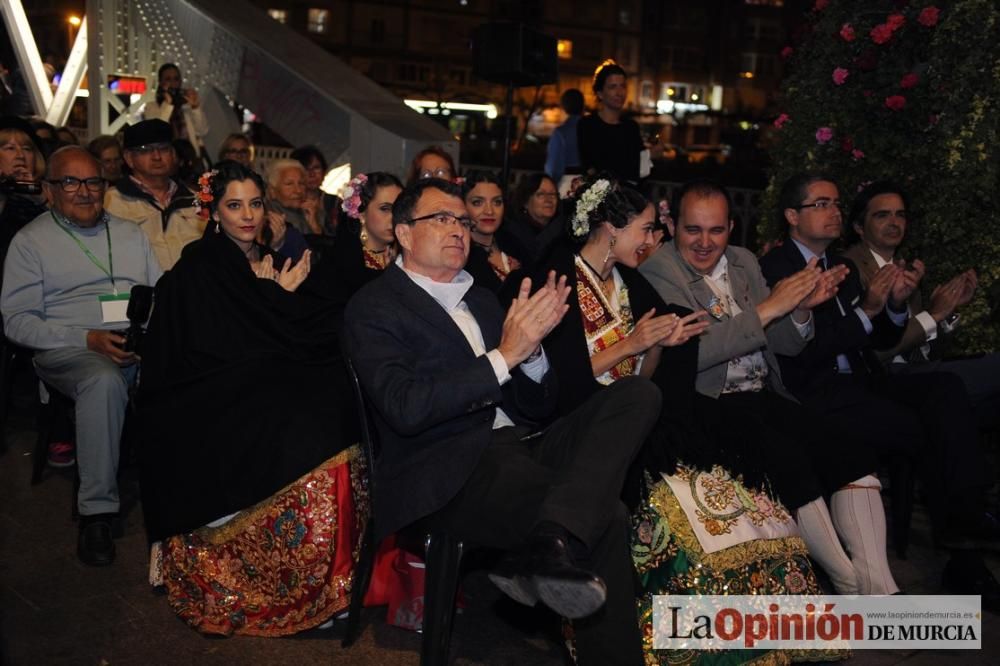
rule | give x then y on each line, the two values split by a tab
561	585
968	575
95	545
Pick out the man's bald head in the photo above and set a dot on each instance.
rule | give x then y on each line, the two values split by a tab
74	187
68	153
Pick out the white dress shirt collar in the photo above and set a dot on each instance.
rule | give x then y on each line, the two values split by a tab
447	294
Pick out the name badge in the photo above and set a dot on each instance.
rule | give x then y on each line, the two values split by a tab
114	308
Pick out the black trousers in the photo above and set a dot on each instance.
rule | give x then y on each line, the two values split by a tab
571	475
926	416
802	456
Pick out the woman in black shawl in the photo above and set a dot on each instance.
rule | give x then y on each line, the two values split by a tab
248	480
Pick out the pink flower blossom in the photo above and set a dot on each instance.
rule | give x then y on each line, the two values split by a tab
857	154
847	32
786	52
895	102
780	121
895	21
909	80
840	75
929	16
881	33
824	134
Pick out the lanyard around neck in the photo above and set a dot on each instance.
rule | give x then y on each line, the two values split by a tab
108	270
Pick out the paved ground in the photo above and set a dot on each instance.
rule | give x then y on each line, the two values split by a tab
55	610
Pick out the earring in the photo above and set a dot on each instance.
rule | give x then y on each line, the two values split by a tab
217	228
611	246
363	234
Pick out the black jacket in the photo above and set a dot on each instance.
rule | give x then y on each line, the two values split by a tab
434	399
836	333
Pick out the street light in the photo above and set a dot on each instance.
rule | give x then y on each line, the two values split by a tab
74	22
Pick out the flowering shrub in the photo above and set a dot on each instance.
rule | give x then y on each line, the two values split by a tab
916	101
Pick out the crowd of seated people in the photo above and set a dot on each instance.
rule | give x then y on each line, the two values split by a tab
548	377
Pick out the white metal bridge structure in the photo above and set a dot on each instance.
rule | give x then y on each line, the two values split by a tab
231	52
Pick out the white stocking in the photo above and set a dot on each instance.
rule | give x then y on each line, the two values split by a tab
859	517
824	546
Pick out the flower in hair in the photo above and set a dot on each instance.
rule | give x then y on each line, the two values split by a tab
352	196
588	202
459	180
663	208
203	196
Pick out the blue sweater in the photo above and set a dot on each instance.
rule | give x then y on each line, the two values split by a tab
51	288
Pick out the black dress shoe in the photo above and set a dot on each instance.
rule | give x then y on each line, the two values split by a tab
512	581
95	545
561	585
966	574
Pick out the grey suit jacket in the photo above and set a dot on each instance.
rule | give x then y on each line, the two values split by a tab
728	337
913	335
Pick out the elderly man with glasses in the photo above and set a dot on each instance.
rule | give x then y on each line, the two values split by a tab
460	390
151	197
67	280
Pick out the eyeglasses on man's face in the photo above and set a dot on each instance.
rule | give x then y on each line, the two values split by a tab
444	218
242	152
442	172
148	148
822	204
546	196
70	185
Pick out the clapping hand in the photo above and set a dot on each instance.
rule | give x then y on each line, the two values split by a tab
879	289
264	269
276	221
826	288
906	281
531	317
687	327
311	206
970	282
292	276
789	293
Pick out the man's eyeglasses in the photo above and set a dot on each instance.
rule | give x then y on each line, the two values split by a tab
444	218
152	147
245	152
443	172
822	204
546	195
70	185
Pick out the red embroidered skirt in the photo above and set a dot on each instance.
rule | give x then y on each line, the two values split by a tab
282	566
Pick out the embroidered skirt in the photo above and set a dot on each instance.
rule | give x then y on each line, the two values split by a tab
706	533
279	567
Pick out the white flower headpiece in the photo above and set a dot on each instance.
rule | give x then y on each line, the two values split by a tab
589	200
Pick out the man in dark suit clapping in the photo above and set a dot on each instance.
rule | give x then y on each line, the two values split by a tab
926	416
459	390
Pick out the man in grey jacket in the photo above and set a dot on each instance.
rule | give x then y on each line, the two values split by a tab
749	323
67	280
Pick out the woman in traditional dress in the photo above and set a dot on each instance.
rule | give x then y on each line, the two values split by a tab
365	244
494	254
249	482
697	528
